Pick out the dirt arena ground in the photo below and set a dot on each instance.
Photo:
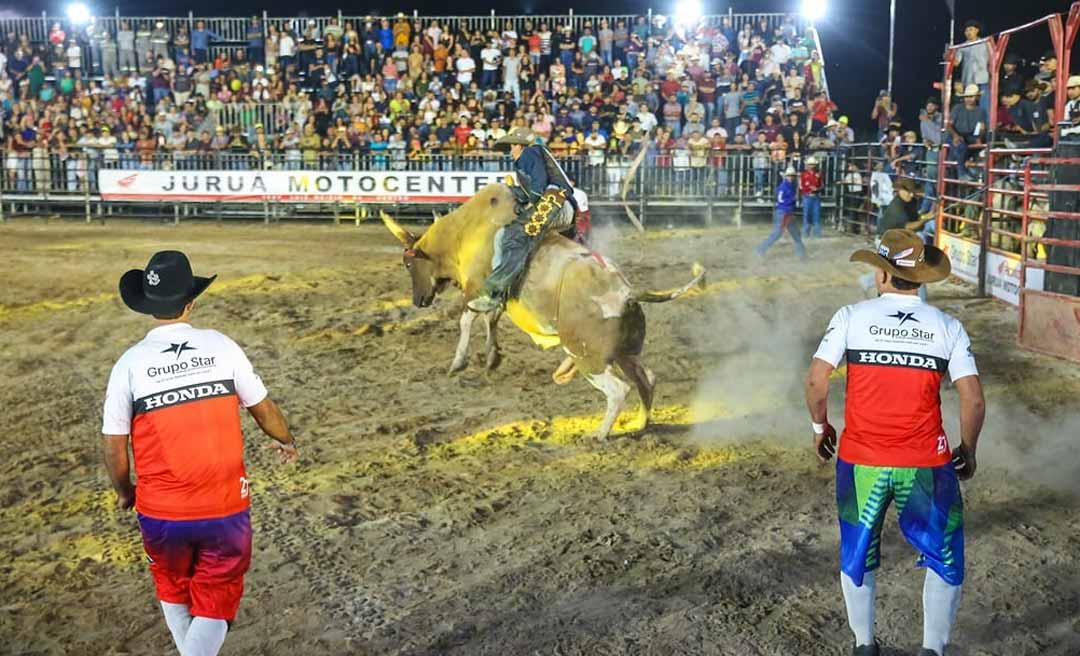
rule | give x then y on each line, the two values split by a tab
471	514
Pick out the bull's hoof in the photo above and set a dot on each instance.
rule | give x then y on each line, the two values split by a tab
456	366
494	359
565	372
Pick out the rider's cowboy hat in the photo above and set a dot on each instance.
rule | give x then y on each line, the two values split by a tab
164	287
1074	81
790	171
517	136
903	254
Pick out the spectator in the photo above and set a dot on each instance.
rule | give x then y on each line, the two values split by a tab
883	113
930	122
973	58
491	57
967	125
1011	80
1071	117
1032	116
200	42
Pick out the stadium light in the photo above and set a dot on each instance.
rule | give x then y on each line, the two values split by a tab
687	12
78	13
814	10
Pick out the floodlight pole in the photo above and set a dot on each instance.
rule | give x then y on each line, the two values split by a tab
892	40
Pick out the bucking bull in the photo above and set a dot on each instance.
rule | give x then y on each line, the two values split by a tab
569	297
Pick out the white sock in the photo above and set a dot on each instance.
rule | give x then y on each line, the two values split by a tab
859	600
178	619
940	601
205	637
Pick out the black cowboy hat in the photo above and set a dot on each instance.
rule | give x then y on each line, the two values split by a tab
164	287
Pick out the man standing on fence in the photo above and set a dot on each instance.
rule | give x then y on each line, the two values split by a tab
200	43
894	447
811	183
784	216
174	396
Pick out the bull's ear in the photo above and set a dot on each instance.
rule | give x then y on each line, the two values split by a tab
404	236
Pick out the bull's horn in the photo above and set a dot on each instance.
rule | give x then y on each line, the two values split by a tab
404	236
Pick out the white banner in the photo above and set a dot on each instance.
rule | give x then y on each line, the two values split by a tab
964	257
1003	277
294	186
1002	271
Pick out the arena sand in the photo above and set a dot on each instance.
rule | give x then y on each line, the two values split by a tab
471	514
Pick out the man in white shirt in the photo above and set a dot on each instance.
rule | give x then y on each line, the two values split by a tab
781	52
715	128
511	65
646	119
74	55
583	217
174	397
465	66
286	49
894	449
491	57
1072	109
595	144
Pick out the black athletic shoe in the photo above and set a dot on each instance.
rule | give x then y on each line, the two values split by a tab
866	650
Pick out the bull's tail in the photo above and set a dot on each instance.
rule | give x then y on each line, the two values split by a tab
672	294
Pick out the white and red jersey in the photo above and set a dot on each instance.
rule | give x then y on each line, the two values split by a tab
898	349
581	199
178	394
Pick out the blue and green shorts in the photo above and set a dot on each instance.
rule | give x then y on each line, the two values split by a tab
928	506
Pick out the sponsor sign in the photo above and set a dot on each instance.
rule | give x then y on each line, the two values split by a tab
1002	271
1003	277
294	186
964	256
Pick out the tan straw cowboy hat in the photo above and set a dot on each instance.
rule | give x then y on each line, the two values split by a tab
970	91
517	136
903	253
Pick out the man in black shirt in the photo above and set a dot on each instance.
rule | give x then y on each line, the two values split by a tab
1031	115
1011	80
903	211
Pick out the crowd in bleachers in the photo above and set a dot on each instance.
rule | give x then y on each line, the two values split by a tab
398	91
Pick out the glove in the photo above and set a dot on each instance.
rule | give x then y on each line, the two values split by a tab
825	443
963	460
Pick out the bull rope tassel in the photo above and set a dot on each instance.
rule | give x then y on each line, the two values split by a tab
634	166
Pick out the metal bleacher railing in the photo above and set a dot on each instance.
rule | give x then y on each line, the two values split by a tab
233	32
44	182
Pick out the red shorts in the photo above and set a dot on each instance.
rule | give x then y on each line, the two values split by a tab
199	563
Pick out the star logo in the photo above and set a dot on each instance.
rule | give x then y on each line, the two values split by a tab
152	278
178	349
904	317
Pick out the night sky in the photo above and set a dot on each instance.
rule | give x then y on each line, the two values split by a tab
854	34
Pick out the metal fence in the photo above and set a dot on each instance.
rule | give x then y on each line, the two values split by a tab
865	182
34	182
233	29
